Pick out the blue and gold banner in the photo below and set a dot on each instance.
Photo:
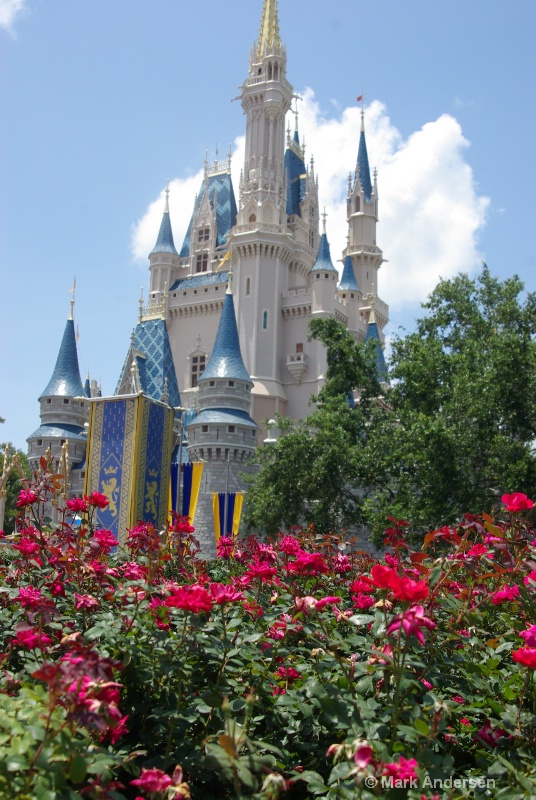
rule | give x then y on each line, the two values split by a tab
130	442
192	473
235	501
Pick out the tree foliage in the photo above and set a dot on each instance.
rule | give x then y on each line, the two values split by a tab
464	384
13	485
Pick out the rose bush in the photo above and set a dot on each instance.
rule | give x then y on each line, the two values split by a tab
298	668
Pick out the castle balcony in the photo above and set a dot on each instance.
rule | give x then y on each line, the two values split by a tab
297	366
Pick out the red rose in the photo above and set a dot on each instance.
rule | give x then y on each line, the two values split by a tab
517	502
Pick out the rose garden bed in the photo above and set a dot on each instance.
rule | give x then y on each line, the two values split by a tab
296	668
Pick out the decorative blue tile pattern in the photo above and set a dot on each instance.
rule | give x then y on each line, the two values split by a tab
65	380
220	187
151	338
225	416
164	243
364	170
323	259
226	359
381	366
64	431
203	279
348	282
296	181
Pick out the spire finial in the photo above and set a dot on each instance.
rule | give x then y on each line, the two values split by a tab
295	112
229	281
71	301
140	303
166	208
269	32
324	217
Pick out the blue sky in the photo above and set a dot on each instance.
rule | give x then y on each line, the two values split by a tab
104	100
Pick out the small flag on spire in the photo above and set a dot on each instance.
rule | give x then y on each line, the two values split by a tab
359	99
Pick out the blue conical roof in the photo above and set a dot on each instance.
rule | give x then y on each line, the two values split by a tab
65	380
87	387
226	359
381	366
323	258
363	166
348	282
165	243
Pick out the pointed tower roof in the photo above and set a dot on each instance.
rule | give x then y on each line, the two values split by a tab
348	281
323	258
87	387
374	334
363	163
150	353
296	175
65	380
164	242
226	359
269	32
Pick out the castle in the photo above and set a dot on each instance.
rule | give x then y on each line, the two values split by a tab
233	352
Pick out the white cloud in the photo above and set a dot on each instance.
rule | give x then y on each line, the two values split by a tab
9	10
430	211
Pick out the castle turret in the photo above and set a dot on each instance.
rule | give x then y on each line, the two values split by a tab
362	215
374	335
222	434
323	278
63	411
163	260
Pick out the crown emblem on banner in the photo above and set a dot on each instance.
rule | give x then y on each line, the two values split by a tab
153	473
110	470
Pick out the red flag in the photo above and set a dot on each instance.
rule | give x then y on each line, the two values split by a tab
359	98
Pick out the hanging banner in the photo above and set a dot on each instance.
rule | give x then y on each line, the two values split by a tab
234	511
191	483
130	440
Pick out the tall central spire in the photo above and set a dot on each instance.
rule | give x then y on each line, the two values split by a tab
269	32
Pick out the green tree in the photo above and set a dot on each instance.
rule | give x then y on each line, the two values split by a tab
315	471
463	399
13	485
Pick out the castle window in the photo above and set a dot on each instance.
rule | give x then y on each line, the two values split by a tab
62	441
357	204
65	401
317	277
201	262
248	286
231	428
49	400
212	383
198	367
40	443
203	234
204	428
252	218
82	474
265	320
299	347
352	295
230	383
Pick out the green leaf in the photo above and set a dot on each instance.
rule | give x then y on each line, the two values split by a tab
78	768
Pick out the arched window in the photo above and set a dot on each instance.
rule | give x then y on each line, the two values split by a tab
248	286
252	218
265	320
358	204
